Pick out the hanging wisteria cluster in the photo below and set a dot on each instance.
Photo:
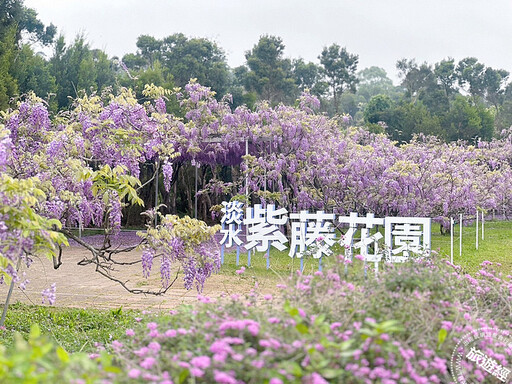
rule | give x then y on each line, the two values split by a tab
82	166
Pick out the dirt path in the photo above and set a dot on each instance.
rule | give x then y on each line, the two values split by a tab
81	286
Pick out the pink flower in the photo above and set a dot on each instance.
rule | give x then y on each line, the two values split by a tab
201	362
148	362
153	334
448	325
384	337
117	345
152	326
133	373
170	333
275	381
359	257
258	364
223	378
240	271
220	347
154	346
315	378
268	297
130	332
204	299
196	372
254	329
297	344
237	356
141	352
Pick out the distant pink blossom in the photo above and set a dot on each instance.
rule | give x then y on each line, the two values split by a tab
201	362
152	326
223	378
134	373
148	362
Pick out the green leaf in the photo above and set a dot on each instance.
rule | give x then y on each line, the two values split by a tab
62	355
319	319
295	369
35	332
183	376
112	369
441	337
302	328
331	373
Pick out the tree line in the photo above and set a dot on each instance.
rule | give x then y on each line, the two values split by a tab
464	100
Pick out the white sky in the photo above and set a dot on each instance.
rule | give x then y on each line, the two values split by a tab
379	31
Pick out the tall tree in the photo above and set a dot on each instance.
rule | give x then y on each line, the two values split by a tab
482	82
77	67
374	81
339	68
8	85
308	76
415	77
32	73
149	48
270	74
468	122
184	58
25	21
444	72
238	90
495	82
17	21
195	58
470	75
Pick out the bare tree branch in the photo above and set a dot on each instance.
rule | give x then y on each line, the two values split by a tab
137	291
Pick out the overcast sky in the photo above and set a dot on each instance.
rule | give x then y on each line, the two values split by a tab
379	31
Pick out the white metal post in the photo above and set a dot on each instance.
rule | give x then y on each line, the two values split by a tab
483	226
195	194
451	239
156	192
460	235
477	229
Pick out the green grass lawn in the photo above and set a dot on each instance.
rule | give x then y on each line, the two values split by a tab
72	328
495	247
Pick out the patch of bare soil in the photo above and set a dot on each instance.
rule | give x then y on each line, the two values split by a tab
80	286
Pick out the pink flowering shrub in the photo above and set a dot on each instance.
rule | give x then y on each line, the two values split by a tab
401	327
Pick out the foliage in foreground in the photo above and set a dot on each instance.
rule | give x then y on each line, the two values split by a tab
74	329
39	360
328	327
